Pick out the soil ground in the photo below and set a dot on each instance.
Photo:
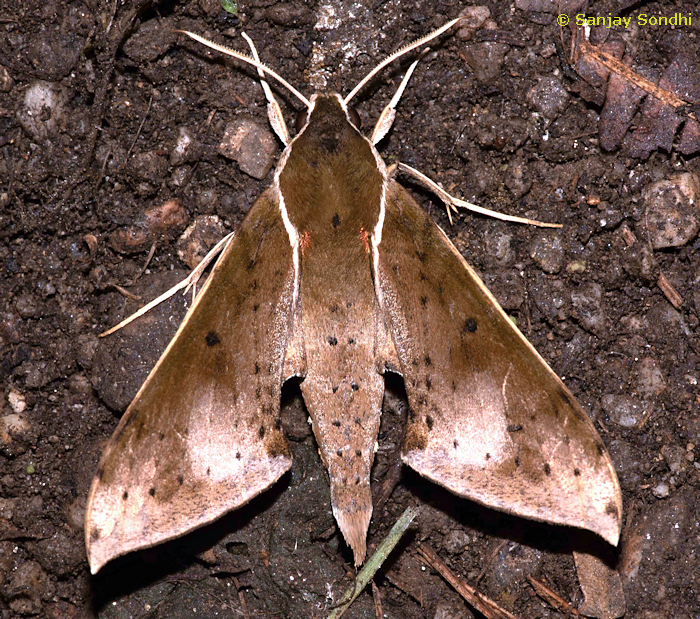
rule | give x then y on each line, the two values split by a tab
80	169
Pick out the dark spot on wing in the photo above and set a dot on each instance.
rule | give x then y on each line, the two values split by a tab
611	509
278	424
355	386
152	491
456	444
336	220
428	383
601	448
358	453
424	301
161	436
428	360
517	461
339	453
125	496
488	456
577	473
255	308
261	432
94	535
212	339
421	256
332	340
334	308
258	393
336	423
429	422
335	388
470	325
514	427
422	276
257	369
357	480
358	421
100	473
547	469
351	341
209	469
238	455
180	480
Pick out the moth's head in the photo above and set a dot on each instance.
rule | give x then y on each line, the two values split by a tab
327	106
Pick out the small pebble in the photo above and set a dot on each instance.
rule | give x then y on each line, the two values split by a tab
547	250
623	410
548	97
456	541
199	238
587	303
250	145
486	60
672	218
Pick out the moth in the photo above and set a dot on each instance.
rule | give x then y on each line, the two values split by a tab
337	276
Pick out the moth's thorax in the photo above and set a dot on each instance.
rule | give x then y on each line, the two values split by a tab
331	183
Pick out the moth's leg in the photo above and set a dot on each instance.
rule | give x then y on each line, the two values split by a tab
452	203
274	113
386	119
189	282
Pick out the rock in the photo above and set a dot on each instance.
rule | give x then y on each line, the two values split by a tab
185	147
486	60
650	378
672	217
196	242
44	111
60	554
657	553
451	610
675	457
548	97
547	250
603	595
471	19
623	410
513	564
151	40
250	145
161	220
149	166
26	587
17	402
587	303
456	542
13	427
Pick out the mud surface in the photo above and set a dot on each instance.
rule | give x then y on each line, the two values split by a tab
95	98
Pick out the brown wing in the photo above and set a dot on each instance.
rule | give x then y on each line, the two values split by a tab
489	420
201	436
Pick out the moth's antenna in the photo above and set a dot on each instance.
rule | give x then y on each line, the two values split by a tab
245	58
398	54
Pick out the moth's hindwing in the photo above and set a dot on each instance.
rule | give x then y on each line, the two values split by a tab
202	437
488	420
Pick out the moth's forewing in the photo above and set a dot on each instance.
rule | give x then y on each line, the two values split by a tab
202	437
488	420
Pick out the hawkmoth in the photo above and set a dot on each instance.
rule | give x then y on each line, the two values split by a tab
337	276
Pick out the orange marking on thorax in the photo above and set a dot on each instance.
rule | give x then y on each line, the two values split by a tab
304	241
364	235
